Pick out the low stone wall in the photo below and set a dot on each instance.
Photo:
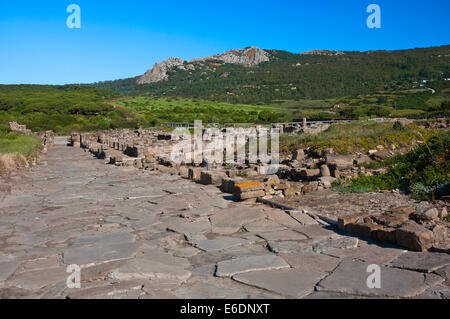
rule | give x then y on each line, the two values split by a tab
403	226
47	137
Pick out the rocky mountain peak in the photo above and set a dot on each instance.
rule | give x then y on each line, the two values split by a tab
159	71
250	56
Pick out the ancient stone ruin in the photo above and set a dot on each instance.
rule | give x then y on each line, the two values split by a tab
47	137
305	171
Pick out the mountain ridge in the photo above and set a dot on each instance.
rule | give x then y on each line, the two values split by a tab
253	75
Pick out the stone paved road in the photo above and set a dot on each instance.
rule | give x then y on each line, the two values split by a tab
138	234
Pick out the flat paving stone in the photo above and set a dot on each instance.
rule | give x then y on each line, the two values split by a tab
110	238
436	292
317	232
198	212
421	261
7	268
210	290
263	226
444	273
231	220
162	257
147	269
311	261
302	218
341	243
350	277
291	246
99	254
290	283
41	263
283	235
37	279
185	252
188	228
372	253
234	266
220	243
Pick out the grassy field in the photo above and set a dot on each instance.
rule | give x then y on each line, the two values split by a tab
60	108
68	108
404	103
16	150
150	111
354	137
26	145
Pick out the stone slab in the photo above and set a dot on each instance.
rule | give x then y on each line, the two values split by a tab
7	268
311	261
238	265
283	235
147	269
290	283
110	238
37	279
196	227
421	261
351	277
220	243
230	221
317	232
99	254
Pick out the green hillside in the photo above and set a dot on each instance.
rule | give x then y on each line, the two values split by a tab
60	108
289	76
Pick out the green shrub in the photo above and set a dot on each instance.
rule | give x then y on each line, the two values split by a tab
425	171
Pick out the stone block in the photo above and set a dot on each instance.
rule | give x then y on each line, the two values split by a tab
340	161
183	171
325	171
228	184
414	236
194	173
310	187
386	235
211	178
282	186
309	173
290	192
367	230
299	155
390	219
248	186
251	194
343	221
440	233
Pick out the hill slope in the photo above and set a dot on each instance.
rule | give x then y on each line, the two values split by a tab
62	108
252	75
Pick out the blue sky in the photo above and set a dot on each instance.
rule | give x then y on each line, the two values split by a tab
120	39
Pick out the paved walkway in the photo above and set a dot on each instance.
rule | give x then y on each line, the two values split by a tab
138	234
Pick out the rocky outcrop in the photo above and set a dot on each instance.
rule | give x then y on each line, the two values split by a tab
159	71
250	56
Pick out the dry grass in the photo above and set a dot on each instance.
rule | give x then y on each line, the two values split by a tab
11	161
